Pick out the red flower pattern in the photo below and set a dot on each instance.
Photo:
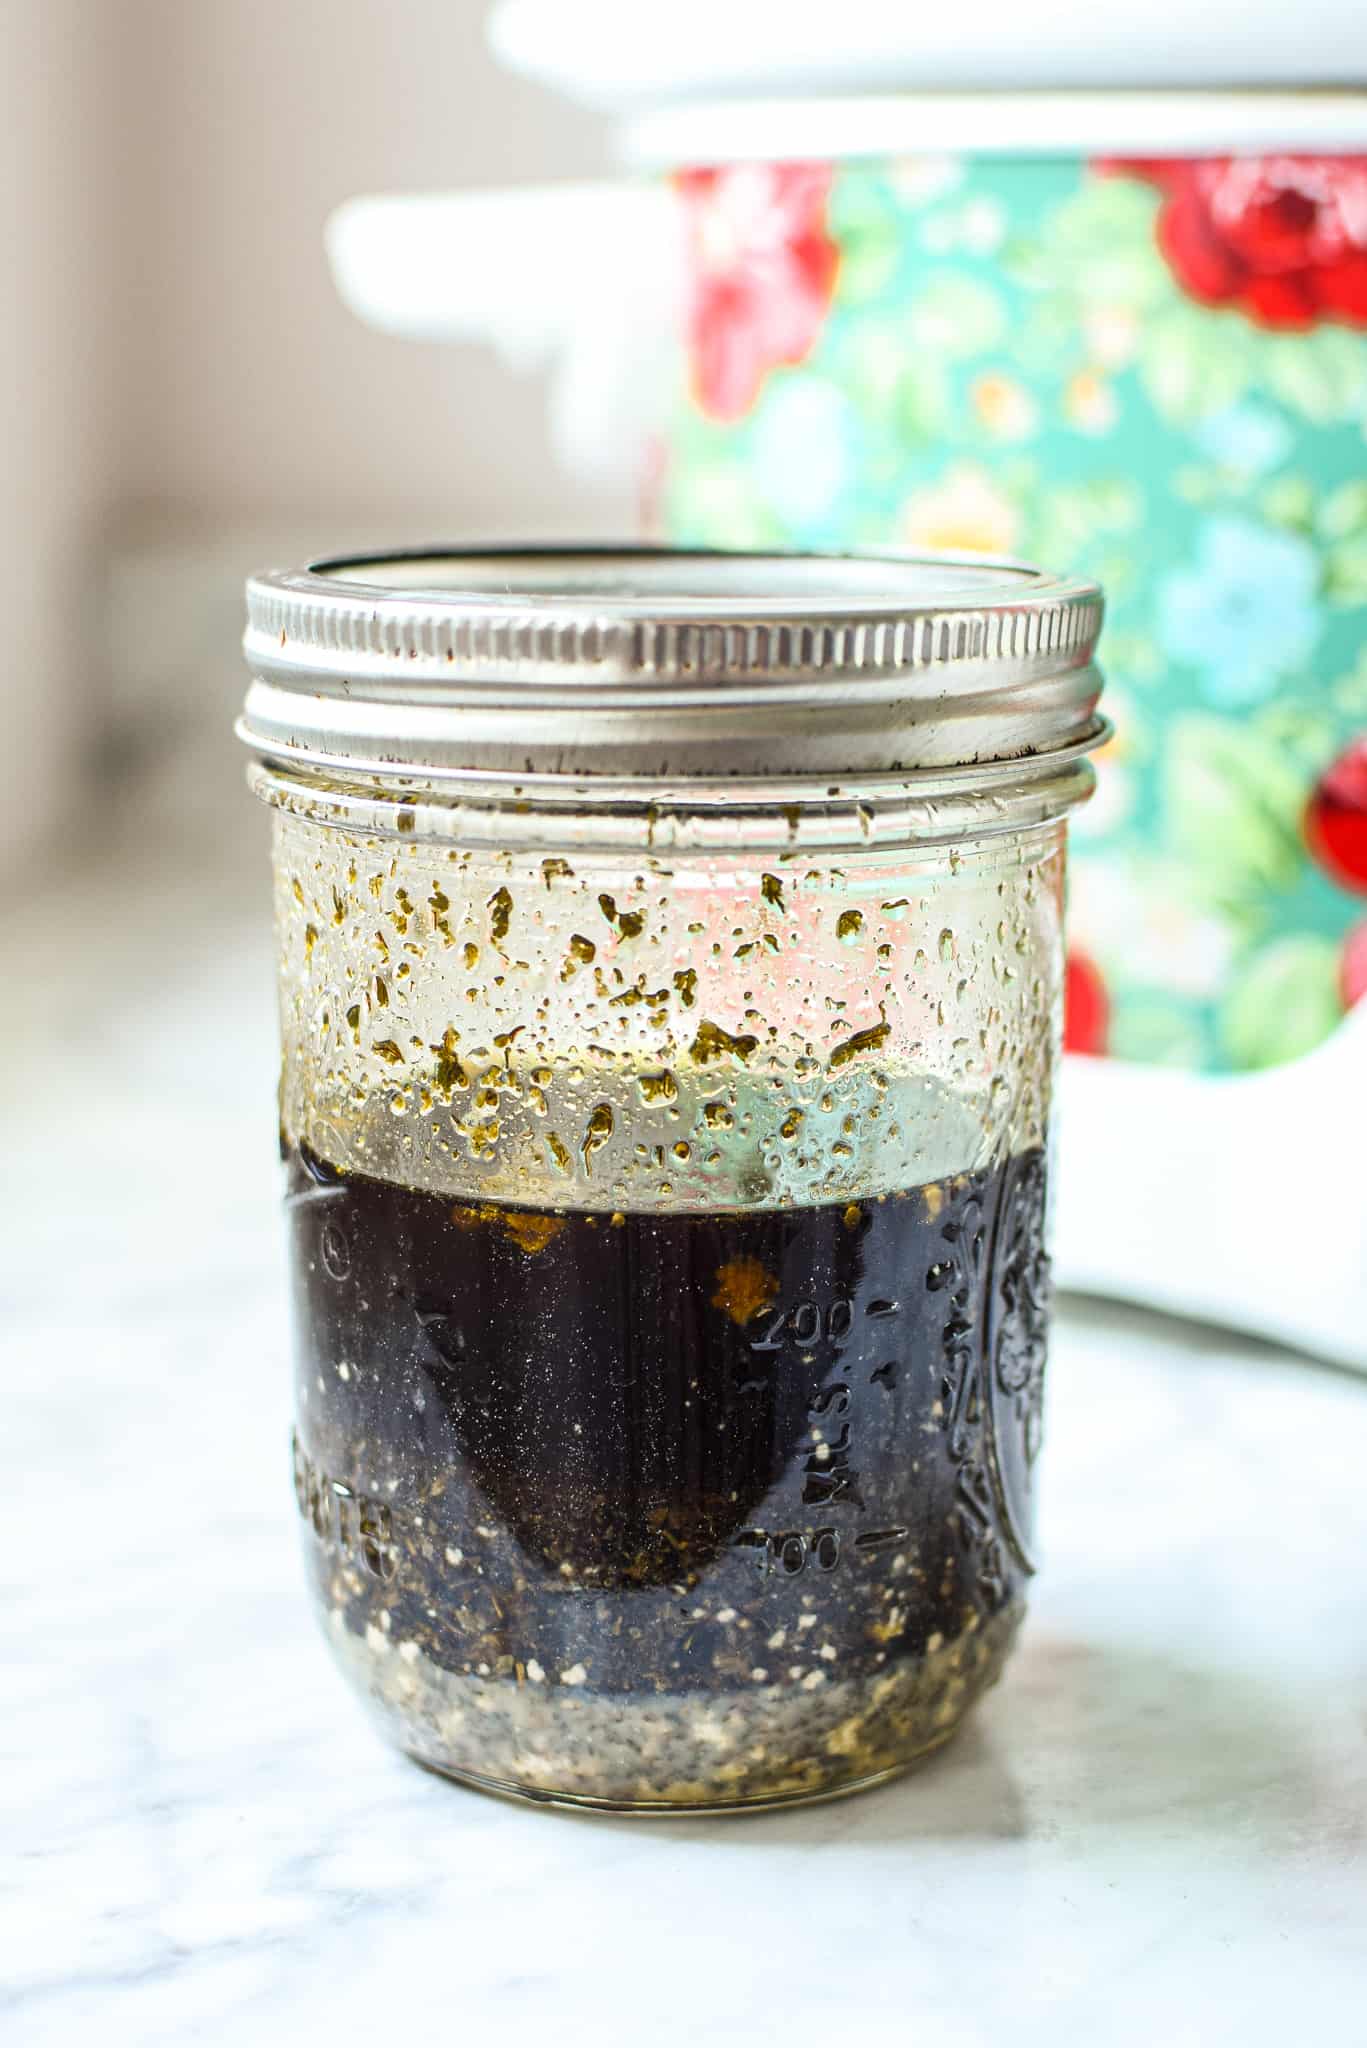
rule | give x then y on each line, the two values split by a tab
1353	966
763	274
1086	1006
1283	238
1336	818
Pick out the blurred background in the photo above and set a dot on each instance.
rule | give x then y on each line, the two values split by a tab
183	396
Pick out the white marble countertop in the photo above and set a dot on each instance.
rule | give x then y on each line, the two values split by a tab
1155	1829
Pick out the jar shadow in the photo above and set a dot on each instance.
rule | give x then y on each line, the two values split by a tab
1091	1739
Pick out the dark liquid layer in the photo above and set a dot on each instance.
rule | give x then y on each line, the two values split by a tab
644	1446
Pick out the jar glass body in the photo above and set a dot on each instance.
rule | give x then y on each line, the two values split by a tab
670	1292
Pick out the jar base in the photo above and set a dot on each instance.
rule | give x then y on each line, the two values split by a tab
774	1746
681	1809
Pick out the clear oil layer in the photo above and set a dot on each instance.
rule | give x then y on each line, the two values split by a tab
571	1032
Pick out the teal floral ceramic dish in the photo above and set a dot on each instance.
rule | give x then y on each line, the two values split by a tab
1152	371
1122	331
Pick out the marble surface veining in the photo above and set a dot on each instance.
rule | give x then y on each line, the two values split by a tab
1156	1829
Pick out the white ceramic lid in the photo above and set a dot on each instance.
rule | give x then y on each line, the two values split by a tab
631	54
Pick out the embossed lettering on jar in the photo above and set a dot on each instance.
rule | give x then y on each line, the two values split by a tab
669	961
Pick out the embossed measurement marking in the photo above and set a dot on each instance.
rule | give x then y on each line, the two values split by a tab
357	1523
828	1476
806	1323
790	1551
336	1252
441	1330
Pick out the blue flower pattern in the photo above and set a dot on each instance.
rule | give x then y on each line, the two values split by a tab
1244	613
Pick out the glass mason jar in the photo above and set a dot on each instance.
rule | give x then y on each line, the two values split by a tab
669	954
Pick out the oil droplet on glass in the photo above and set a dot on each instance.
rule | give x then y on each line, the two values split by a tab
597	1131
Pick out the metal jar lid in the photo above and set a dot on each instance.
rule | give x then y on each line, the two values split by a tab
641	664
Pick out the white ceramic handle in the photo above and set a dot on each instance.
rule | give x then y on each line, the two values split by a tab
583	280
509	267
1240	1198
